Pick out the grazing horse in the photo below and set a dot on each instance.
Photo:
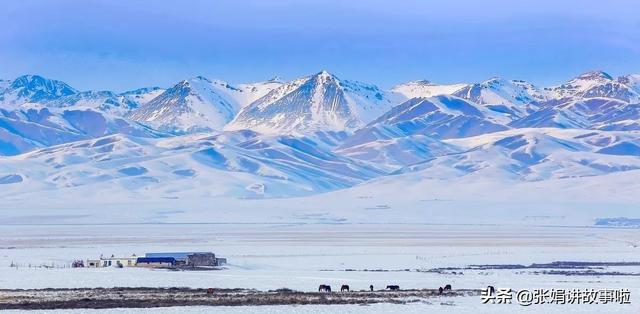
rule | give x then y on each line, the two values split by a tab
324	288
393	287
344	288
371	287
447	287
440	290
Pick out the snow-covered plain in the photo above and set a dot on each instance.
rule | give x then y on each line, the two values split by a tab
302	256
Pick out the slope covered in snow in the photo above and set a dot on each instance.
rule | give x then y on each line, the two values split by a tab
31	89
318	102
193	170
511	98
250	92
237	164
589	113
143	95
367	101
424	89
438	117
630	80
199	105
194	105
597	84
537	154
399	151
520	100
514	99
105	101
27	129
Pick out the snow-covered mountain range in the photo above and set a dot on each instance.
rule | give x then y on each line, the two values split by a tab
209	138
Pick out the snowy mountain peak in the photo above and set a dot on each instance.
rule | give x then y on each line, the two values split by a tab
317	102
587	80
34	88
39	83
494	80
324	77
202	81
306	104
512	99
594	75
143	95
193	105
182	86
425	88
596	84
325	74
191	83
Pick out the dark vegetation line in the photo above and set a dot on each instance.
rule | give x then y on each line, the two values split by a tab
102	298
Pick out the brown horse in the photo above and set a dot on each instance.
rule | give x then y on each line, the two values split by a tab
344	288
447	287
393	287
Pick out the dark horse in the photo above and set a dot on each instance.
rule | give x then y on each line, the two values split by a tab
324	288
447	287
393	287
344	288
440	290
371	287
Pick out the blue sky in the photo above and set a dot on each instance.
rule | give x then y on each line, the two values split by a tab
121	45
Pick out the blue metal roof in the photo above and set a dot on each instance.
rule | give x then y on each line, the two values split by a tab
176	255
156	260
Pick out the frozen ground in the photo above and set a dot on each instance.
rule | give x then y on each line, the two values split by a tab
302	256
460	305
